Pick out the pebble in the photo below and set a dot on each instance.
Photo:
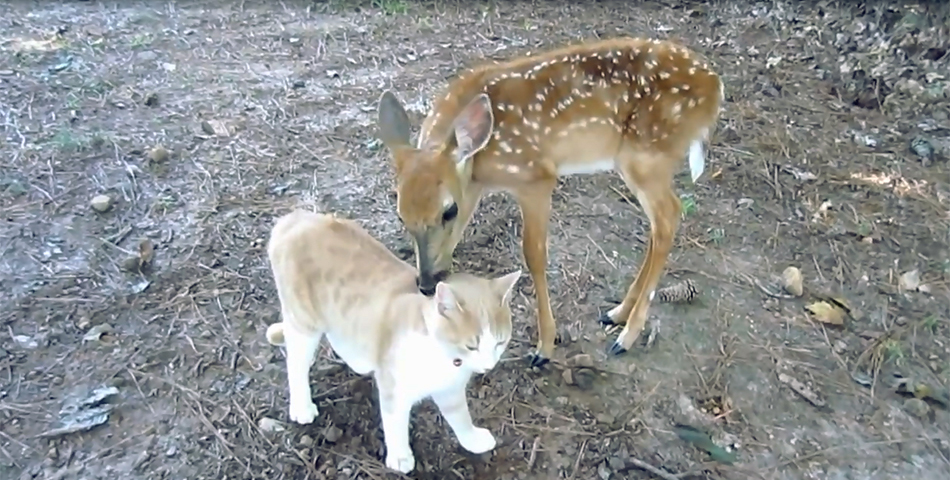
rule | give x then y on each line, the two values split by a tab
923	149
333	434
147	55
581	360
583	378
101	203
568	376
918	408
158	154
268	425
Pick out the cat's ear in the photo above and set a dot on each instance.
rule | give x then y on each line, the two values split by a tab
505	285
445	300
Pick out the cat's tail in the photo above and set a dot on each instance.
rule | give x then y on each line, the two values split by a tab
275	334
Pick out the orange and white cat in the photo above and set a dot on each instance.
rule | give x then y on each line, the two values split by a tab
335	280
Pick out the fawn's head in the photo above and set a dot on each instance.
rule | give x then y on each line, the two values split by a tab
471	318
431	180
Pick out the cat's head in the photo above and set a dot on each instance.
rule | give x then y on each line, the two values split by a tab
471	318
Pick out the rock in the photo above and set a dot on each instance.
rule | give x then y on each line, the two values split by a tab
306	440
918	408
269	425
792	281
568	376
158	154
101	203
581	360
132	263
147	56
616	463
583	378
923	149
333	434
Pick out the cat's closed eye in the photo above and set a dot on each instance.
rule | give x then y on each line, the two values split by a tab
472	348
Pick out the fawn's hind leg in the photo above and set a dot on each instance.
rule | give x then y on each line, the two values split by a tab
662	206
301	350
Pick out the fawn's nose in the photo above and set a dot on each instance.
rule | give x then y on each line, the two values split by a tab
427	282
426	285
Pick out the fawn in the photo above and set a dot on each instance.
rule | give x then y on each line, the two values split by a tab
637	106
335	280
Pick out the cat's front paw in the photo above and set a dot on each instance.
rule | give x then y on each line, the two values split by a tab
479	440
400	461
303	412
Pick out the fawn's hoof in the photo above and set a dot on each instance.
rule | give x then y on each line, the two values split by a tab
606	320
536	359
616	348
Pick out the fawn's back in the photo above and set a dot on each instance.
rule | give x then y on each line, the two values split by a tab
571	110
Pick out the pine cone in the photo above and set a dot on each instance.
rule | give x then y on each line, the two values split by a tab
682	292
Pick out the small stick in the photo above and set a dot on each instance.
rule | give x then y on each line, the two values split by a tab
534	453
650	468
577	461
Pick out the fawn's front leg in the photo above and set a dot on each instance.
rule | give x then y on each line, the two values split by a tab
454	407
535	203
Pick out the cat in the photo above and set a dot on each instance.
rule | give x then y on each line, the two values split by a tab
334	279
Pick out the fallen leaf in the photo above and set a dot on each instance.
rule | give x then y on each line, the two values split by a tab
702	440
800	388
215	127
909	281
146	252
840	302
96	333
825	312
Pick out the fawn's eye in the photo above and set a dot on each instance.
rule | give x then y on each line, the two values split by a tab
450	213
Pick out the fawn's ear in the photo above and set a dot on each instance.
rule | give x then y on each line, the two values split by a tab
445	299
473	127
392	121
504	285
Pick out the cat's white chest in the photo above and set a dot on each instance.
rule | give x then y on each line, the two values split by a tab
421	368
353	354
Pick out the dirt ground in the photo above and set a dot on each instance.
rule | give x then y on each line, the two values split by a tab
831	156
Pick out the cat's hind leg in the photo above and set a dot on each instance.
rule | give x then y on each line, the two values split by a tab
454	407
301	349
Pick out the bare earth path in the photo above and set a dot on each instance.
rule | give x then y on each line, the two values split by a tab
264	106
